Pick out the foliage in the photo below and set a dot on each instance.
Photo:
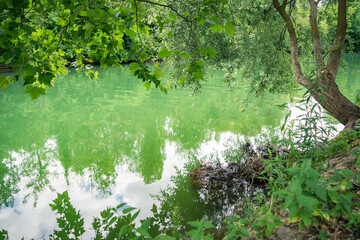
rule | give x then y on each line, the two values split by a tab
70	222
298	184
41	38
4	234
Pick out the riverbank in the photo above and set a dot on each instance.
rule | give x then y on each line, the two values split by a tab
313	197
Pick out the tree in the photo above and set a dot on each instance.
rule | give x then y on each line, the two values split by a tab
40	38
323	86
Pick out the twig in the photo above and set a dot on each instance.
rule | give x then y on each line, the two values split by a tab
137	26
167	6
337	228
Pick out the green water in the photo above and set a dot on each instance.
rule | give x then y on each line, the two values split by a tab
110	141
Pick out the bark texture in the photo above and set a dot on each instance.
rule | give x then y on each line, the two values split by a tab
323	87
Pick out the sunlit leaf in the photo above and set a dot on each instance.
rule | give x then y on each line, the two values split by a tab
229	28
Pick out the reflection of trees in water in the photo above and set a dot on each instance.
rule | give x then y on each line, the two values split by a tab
218	197
99	125
9	180
32	168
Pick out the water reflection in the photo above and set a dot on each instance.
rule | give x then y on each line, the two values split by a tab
109	141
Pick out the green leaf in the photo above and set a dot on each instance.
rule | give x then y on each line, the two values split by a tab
347	173
146	223
320	192
124	229
308	202
229	28
185	55
210	52
269	228
133	217
130	32
200	21
295	186
143	232
216	27
88	27
60	21
154	208
127	210
194	224
244	232
133	67
46	78
112	220
35	91
163	237
4	82
293	209
306	215
164	52
120	205
147	85
208	225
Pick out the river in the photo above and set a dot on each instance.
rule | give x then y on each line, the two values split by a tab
111	141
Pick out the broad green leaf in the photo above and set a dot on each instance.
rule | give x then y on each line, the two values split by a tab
194	224
133	67
216	27
244	232
147	85
216	19
293	209
34	91
269	228
4	82
123	230
306	215
320	192
210	52
347	173
185	55
200	21
143	232
308	202
46	78
146	223
164	52
208	225
130	32
229	28
61	21
295	186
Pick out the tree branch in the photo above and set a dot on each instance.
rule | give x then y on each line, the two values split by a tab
167	6
300	78
315	35
336	49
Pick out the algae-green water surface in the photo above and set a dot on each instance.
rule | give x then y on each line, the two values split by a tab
111	141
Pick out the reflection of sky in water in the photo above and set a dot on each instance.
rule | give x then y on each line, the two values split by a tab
25	220
115	132
128	187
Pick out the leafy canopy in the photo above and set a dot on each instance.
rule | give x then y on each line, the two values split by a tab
41	38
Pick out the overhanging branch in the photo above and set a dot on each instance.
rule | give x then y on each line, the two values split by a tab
167	6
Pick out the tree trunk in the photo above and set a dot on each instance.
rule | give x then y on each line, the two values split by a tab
324	87
335	102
